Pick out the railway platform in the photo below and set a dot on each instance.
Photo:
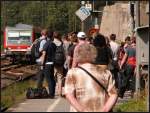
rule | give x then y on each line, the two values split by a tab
58	104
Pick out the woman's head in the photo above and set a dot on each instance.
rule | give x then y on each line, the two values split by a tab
99	41
127	40
85	53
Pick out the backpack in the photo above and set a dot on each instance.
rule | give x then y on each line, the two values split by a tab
59	55
34	93
35	49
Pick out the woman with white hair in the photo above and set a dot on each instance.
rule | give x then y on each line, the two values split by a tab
89	87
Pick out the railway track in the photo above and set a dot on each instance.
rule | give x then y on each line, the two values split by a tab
12	73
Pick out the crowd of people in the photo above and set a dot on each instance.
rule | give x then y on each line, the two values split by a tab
93	70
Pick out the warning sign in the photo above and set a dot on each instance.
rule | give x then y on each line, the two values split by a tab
93	30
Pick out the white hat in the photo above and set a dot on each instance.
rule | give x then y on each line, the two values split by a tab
81	35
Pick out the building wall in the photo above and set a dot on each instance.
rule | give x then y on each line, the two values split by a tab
116	19
144	17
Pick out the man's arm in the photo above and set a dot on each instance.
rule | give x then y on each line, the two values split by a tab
42	58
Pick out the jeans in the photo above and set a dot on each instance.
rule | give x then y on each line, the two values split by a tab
129	80
114	71
115	76
48	73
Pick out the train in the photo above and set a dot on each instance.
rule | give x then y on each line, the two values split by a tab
18	41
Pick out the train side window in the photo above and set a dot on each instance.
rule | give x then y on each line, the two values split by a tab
25	38
13	38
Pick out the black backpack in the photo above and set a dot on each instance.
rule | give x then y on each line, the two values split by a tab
59	55
35	49
34	93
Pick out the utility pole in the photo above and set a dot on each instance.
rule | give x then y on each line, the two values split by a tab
75	24
147	11
82	26
137	8
148	86
132	7
96	14
137	23
82	22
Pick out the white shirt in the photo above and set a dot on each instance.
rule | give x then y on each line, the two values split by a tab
114	47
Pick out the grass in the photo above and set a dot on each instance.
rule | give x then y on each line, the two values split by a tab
133	105
15	93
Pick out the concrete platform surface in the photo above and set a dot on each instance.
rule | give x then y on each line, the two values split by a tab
42	105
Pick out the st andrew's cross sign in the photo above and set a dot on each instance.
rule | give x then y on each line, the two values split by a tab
83	13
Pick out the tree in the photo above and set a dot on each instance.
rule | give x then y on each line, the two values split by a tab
57	15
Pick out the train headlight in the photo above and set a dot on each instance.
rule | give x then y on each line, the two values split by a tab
8	48
28	48
8	51
5	50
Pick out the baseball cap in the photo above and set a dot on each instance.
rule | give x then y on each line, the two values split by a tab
81	35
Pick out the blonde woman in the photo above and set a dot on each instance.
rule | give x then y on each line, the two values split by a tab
82	91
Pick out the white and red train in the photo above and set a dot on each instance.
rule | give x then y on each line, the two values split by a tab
18	40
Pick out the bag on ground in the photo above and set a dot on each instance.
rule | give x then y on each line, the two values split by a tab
34	93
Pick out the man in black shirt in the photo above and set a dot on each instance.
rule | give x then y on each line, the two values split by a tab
47	60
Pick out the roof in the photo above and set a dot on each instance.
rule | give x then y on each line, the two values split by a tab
141	27
20	25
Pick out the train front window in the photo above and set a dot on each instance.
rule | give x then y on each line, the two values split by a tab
20	38
25	37
13	36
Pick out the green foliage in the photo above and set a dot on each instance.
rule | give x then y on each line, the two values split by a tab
132	106
56	15
15	93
